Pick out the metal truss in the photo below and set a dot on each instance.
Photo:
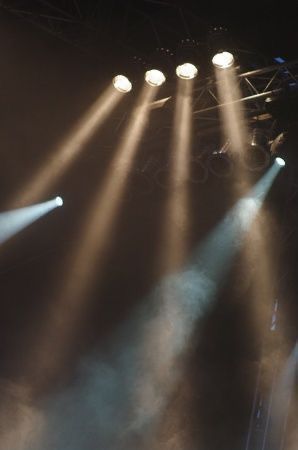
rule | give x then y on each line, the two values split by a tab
65	19
256	86
87	23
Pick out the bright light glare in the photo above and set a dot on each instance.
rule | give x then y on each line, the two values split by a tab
12	222
281	162
59	201
187	71
122	83
223	60
155	77
177	213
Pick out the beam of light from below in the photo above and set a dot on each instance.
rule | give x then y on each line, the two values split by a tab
87	258
12	222
66	152
119	397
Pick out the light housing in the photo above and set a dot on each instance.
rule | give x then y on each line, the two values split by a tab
59	201
155	77
122	83
187	71
223	60
280	162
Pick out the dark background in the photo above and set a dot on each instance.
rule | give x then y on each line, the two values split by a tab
46	85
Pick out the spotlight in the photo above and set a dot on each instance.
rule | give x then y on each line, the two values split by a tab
223	60
122	84
186	71
257	155
155	77
280	162
220	45
59	201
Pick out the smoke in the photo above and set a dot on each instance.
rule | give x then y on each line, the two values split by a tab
20	421
284	389
119	395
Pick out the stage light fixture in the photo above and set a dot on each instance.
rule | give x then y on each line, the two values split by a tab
155	77
59	201
279	161
122	83
257	155
223	60
186	71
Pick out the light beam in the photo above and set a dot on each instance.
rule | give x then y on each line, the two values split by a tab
283	393
186	71
177	209
232	115
12	222
119	397
66	152
183	299
85	261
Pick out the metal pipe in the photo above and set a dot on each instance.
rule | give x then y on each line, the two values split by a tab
240	100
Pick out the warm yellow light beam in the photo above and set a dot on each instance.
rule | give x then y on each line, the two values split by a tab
181	302
98	223
62	157
86	260
177	210
260	249
232	113
163	331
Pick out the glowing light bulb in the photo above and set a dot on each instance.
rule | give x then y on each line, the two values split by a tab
223	60
59	201
122	84
187	71
155	77
281	162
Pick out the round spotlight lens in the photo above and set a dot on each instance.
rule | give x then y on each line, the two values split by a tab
122	84
281	162
187	71
223	60
155	77
59	201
